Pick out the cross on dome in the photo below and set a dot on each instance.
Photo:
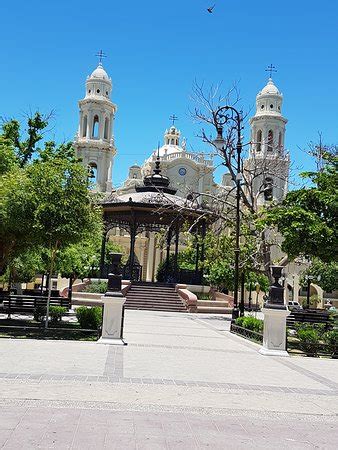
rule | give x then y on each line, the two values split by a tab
271	69
173	118
100	55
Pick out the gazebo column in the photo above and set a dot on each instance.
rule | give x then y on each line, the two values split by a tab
177	236
150	256
132	248
157	261
169	235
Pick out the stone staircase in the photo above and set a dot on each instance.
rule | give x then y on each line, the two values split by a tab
154	297
213	307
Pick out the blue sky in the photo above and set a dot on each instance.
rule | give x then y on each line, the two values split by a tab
156	49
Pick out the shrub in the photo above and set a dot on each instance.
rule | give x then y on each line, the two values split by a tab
308	339
39	313
98	287
56	313
89	318
250	323
239	321
331	340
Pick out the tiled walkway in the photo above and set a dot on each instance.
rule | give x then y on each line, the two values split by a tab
182	382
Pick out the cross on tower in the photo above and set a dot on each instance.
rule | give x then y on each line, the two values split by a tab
271	69
173	118
101	55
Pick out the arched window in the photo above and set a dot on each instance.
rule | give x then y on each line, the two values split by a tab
268	189
84	127
280	141
95	134
259	141
106	128
172	142
270	141
92	174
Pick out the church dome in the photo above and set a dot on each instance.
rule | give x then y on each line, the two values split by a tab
269	89
100	73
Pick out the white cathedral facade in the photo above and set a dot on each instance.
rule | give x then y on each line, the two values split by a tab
188	171
267	162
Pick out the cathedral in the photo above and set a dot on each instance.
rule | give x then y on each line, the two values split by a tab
187	171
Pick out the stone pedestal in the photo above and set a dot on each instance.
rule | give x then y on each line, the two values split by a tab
274	335
112	319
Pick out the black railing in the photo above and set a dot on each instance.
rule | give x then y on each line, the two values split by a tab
248	334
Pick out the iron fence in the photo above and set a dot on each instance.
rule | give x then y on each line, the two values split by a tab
248	334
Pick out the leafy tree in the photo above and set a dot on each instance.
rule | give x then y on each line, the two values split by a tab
63	212
307	218
24	267
8	158
253	279
45	200
25	148
326	272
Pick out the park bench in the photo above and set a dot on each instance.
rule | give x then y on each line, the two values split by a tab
27	304
308	316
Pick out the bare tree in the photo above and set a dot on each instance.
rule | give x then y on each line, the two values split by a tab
260	174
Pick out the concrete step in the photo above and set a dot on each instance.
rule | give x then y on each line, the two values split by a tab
153	285
160	297
145	303
214	310
156	308
152	295
212	304
159	291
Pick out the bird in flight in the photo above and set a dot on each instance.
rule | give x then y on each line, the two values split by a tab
210	9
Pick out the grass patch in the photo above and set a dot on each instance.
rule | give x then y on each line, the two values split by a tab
30	329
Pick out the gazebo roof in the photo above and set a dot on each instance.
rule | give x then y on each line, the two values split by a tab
151	210
153	198
152	206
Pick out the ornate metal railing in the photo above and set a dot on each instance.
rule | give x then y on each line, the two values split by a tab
196	158
247	334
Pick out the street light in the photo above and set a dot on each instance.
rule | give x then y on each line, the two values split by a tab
222	116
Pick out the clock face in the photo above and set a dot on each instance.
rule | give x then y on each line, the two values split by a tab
182	171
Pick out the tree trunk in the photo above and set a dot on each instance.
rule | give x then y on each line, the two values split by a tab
49	287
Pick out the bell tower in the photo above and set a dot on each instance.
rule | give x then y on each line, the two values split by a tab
268	162
94	142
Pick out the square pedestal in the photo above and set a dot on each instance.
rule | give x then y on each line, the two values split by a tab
112	320
274	334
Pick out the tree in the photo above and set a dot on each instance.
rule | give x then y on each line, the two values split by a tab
63	211
307	218
45	200
16	151
325	274
24	148
255	172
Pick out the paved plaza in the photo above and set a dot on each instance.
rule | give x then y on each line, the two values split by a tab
182	382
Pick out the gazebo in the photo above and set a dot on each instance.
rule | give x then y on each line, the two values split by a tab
154	207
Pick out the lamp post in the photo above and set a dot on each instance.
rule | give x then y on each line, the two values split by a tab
222	116
309	279
250	298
